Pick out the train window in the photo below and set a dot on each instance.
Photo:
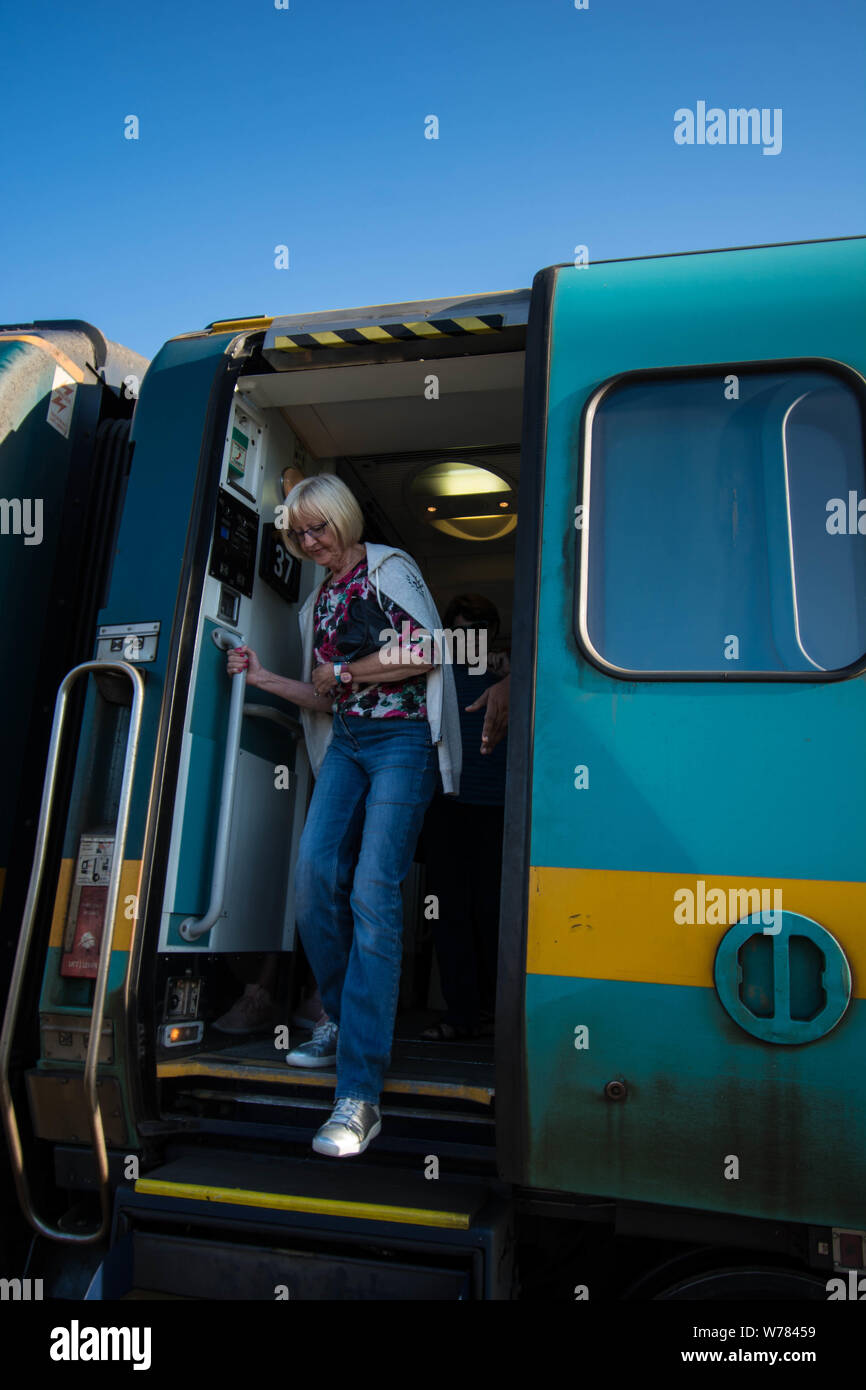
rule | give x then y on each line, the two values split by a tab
722	523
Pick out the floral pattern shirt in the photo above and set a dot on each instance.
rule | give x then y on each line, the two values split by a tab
406	699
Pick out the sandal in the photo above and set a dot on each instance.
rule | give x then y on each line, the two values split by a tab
445	1032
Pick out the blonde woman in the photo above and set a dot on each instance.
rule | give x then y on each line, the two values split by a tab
375	727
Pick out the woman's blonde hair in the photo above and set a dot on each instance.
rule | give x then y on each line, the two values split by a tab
327	498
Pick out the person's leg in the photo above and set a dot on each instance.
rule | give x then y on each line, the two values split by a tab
400	763
326	861
267	974
254	1011
451	862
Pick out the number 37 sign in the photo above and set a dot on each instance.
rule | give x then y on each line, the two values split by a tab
277	567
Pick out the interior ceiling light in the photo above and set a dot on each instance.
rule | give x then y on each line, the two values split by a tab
463	501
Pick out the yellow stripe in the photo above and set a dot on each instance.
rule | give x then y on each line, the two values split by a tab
234	325
618	925
472	325
238	1071
61	902
321	1206
377	335
329	339
425	330
130	882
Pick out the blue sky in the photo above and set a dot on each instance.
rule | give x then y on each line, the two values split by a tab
305	127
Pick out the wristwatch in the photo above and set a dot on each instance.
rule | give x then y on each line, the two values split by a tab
342	672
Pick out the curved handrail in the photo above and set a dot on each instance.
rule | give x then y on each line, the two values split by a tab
97	1129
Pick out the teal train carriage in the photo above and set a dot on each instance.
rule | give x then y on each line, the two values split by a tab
66	401
655	469
67	395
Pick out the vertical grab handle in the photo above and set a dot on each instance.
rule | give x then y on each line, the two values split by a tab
10	1121
193	927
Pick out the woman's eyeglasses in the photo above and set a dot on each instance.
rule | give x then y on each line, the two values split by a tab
314	531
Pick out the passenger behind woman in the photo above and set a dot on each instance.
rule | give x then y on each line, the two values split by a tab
462	838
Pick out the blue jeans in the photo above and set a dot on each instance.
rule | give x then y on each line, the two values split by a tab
374	785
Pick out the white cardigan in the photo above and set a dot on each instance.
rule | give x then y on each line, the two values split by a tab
396	575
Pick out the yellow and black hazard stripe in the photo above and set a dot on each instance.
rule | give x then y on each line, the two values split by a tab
389	333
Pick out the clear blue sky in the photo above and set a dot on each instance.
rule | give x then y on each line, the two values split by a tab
305	126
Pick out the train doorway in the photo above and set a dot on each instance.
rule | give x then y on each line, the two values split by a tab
431	450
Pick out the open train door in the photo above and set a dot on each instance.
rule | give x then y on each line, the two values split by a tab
684	954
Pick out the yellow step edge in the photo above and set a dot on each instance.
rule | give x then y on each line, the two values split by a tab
317	1206
238	1071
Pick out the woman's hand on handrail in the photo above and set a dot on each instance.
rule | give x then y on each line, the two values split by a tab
301	693
245	659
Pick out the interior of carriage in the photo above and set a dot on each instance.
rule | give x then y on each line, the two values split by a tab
431	451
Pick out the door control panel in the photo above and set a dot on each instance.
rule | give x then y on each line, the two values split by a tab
233	553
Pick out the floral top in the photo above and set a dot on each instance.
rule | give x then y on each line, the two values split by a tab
405	699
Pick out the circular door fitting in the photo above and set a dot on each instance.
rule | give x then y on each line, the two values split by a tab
789	983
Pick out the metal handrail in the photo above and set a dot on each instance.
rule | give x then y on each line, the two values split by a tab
97	1129
191	928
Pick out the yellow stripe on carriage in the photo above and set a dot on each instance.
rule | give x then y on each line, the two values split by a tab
130	881
423	329
329	339
376	335
237	325
615	924
475	325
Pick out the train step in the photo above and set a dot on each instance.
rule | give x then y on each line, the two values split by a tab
433	1099
233	1225
431	1071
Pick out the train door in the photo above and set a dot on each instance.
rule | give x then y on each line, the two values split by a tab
369	425
692	946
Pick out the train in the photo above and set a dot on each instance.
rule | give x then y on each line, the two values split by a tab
654	466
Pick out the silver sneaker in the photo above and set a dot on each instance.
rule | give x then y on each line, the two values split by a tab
320	1051
352	1125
